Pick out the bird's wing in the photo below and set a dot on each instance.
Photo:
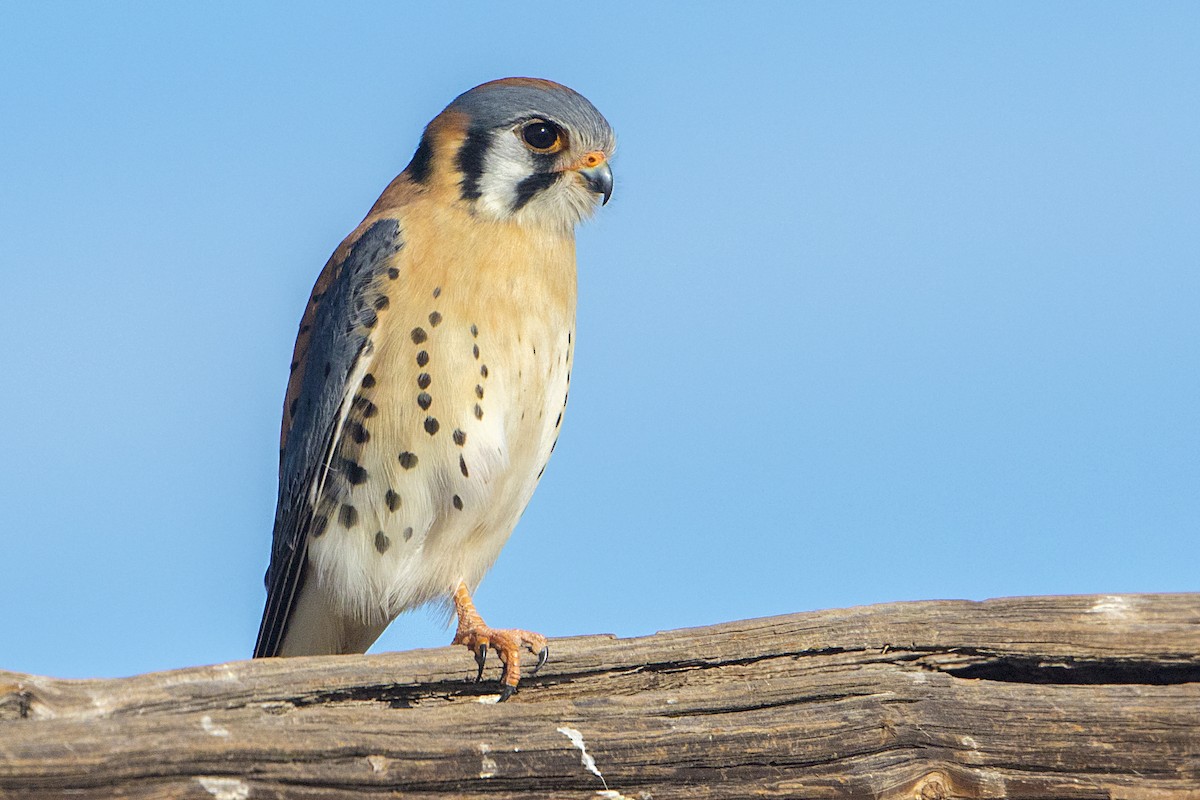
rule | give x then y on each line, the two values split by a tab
332	344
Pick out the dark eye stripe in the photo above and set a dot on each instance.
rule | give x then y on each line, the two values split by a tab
529	187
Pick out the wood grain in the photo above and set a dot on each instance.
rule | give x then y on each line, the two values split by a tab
1033	697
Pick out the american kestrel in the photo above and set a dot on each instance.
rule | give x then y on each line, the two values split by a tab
431	373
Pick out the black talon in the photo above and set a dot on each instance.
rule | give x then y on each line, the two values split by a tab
506	692
480	657
543	657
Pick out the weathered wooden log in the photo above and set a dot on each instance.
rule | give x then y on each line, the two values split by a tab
1046	697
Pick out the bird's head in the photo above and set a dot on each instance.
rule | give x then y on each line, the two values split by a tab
519	149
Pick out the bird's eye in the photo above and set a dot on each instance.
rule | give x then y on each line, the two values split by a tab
542	136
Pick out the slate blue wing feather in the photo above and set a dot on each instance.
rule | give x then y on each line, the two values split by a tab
336	339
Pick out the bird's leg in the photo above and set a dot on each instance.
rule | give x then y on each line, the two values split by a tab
477	636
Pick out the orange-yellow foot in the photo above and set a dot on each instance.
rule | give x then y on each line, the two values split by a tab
474	634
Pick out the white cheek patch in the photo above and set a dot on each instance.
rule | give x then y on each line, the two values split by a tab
506	164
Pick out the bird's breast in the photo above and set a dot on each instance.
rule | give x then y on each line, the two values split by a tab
456	408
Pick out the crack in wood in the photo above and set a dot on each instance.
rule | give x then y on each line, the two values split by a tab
1009	669
396	695
992	666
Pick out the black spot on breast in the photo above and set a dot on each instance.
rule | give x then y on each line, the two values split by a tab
419	335
437	292
483	370
319	523
479	391
382	543
393	273
474	329
368	381
358	432
382	302
462	465
392	499
422	358
435	319
408	532
369	318
408	460
348	516
364	406
423	380
431	425
355	473
424	400
460	438
458	503
478	411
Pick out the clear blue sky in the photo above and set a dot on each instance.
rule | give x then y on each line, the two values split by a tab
892	301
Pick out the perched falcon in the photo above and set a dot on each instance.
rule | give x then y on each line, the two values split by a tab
430	376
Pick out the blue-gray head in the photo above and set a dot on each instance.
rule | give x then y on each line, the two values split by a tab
522	149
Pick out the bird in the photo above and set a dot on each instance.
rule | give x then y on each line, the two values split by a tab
430	375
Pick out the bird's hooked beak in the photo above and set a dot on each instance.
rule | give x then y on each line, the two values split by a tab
599	180
595	170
